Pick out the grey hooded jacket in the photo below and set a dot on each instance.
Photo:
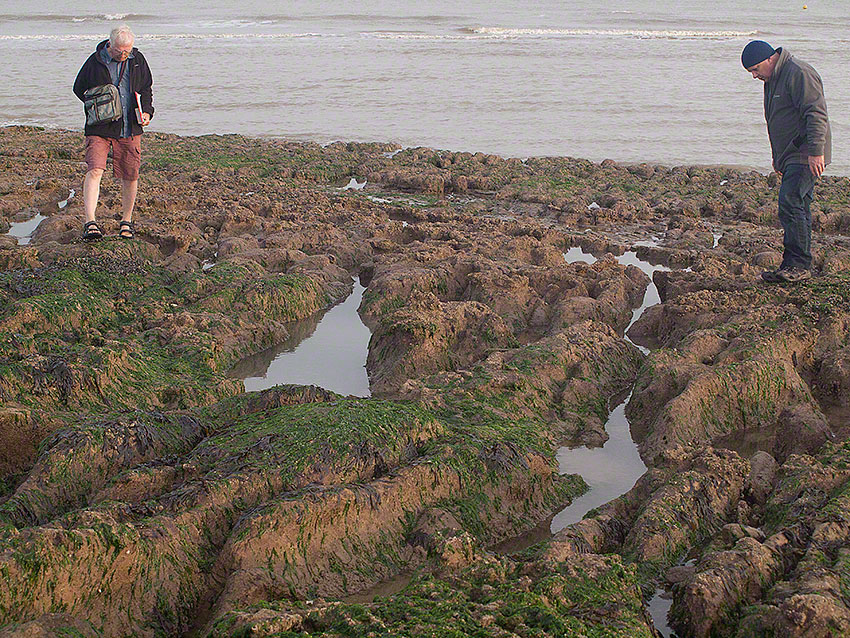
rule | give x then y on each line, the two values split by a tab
795	110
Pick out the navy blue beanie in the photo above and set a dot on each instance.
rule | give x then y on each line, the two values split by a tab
755	52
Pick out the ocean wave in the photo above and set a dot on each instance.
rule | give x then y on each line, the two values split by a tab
366	17
477	33
173	36
55	17
644	34
406	35
237	36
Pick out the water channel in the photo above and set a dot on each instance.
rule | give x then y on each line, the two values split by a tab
327	349
23	231
330	350
612	469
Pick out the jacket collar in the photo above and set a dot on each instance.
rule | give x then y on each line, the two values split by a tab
784	56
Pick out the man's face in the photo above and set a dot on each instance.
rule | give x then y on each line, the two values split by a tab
120	52
764	69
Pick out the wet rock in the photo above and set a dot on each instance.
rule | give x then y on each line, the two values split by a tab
668	525
229	246
60	228
428	336
182	263
769	260
20	435
833	382
53	625
568	377
760	482
837	263
723	579
484	595
456	552
733	532
801	429
763	378
755	585
811	615
679	574
124	341
666	513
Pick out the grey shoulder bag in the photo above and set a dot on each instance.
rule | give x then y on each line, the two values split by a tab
102	103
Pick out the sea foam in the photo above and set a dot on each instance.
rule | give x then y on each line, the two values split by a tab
661	34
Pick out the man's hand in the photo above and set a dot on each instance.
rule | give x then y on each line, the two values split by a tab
816	165
146	119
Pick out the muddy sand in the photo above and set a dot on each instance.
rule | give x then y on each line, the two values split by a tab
143	492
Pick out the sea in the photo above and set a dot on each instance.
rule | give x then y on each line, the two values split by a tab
655	81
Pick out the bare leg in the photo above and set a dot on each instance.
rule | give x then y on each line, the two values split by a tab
129	188
91	192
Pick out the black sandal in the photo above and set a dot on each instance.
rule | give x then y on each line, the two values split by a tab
91	231
126	227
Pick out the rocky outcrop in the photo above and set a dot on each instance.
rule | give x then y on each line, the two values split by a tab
198	510
789	582
486	595
137	475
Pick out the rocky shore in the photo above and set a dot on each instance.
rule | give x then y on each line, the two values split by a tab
144	493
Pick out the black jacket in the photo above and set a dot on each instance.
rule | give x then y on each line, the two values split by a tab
95	73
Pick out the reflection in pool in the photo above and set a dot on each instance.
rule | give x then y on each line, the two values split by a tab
612	469
327	349
23	230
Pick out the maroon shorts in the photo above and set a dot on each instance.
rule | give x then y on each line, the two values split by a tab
126	155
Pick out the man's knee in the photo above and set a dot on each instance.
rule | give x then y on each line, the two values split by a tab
94	173
792	204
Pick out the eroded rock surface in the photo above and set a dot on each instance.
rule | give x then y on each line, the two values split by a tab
144	493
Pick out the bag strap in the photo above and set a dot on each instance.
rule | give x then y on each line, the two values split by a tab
121	74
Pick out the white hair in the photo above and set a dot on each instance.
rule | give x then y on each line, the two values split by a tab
121	36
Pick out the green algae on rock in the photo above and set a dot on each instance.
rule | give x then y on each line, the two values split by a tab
592	596
104	330
162	490
265	488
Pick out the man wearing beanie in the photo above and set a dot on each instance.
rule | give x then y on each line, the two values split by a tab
801	143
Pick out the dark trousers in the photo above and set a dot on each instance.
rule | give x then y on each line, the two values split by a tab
795	199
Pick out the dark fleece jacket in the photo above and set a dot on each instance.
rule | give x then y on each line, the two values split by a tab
795	110
95	73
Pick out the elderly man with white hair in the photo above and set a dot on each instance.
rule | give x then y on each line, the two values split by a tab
116	61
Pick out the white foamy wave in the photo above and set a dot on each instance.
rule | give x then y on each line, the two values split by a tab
173	36
10	123
100	17
238	36
663	34
58	17
236	23
405	35
478	33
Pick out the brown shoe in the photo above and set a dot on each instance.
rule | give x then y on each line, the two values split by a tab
771	276
792	275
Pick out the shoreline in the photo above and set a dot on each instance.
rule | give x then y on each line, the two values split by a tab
304	139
